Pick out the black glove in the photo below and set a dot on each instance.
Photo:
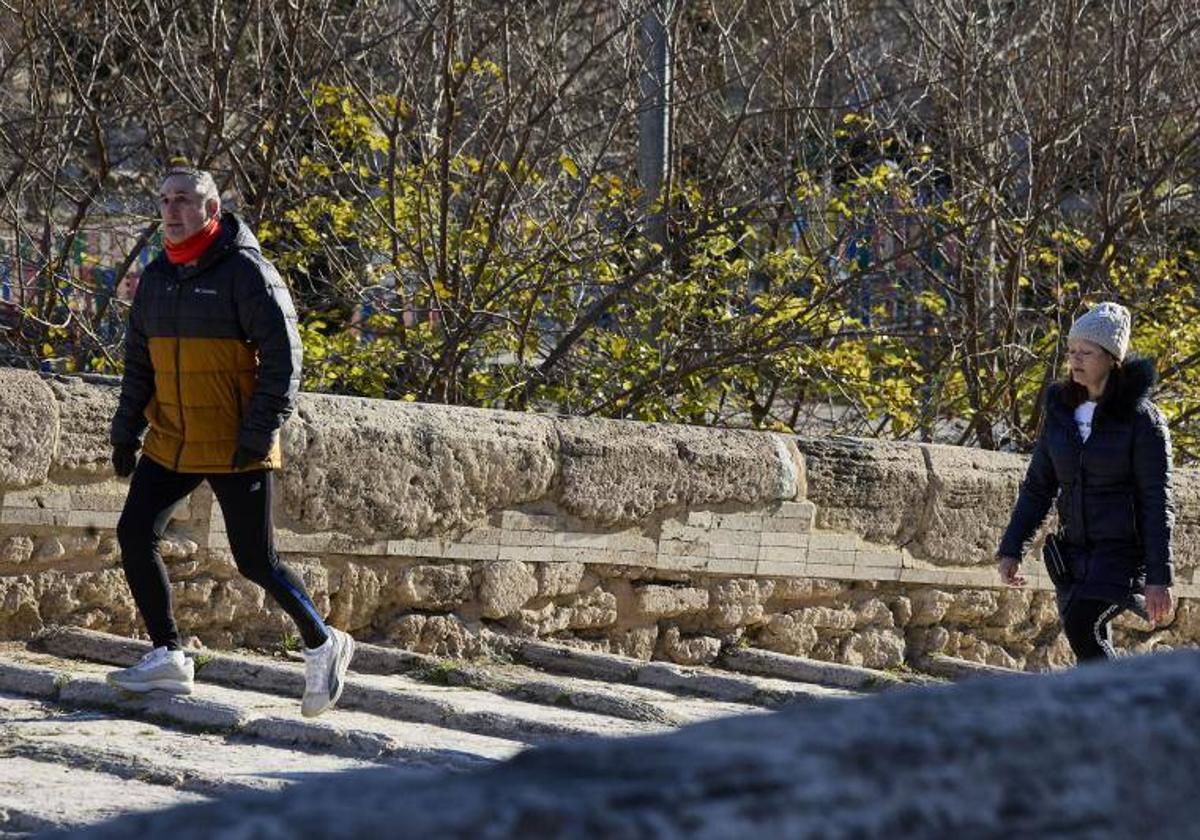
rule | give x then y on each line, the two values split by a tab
245	456
124	459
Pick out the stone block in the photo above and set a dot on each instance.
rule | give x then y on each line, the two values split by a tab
738	522
720	551
836	571
838	541
284	541
783	554
794	510
694	650
557	579
33	516
634	558
775	568
679	548
928	576
113	501
615	471
731	566
390	469
831	556
415	548
18	549
515	520
580	554
45	498
878	559
29	415
527	553
505	587
681	563
85	412
526	538
975	493
784	539
581	540
673	529
93	519
632	540
875	489
654	602
355	546
436	587
467	551
481	536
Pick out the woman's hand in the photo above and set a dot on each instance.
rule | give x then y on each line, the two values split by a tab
1010	571
1159	603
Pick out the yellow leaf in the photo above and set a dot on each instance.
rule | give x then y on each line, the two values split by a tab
568	166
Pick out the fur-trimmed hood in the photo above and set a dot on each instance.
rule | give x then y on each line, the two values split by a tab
1124	394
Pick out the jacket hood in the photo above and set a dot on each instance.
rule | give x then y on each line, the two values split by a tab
235	236
1138	377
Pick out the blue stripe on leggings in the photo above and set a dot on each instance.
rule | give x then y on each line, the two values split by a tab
299	596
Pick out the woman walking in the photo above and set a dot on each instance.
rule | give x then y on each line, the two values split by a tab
1104	454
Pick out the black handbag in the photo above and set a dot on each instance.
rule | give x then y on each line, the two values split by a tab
1056	563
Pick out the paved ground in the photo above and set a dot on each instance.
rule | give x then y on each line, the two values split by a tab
76	752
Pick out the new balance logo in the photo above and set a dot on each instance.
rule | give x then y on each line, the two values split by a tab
255	487
200	291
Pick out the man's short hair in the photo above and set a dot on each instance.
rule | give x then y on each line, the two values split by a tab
200	179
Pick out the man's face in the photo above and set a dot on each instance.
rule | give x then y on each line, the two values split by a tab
182	209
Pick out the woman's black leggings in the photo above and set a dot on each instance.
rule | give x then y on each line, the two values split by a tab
245	500
1085	622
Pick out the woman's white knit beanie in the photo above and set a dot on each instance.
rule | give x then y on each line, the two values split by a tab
1106	324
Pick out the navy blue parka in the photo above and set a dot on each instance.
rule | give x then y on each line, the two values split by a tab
1113	493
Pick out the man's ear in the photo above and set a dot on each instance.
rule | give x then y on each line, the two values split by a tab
212	207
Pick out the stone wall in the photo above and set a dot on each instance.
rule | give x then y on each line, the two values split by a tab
421	525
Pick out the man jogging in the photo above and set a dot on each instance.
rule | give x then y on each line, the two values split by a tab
212	366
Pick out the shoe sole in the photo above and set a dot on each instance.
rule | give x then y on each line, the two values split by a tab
169	686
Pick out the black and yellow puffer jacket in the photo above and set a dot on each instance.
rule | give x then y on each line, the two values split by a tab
212	358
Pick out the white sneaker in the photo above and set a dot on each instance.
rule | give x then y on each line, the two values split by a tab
325	672
161	669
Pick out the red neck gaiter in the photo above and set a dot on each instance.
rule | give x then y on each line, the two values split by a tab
191	249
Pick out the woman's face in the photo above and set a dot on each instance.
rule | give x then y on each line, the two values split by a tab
1090	364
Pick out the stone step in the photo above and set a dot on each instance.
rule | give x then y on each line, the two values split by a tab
267	718
521	682
695	681
953	668
37	796
802	669
392	696
197	762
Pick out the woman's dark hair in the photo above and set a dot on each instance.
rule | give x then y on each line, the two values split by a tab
1075	395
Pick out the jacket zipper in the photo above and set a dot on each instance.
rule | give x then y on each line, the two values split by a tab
1082	499
179	376
237	403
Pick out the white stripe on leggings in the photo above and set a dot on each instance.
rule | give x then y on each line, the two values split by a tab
1105	644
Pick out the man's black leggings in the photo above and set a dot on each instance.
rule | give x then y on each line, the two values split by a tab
245	500
1086	625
